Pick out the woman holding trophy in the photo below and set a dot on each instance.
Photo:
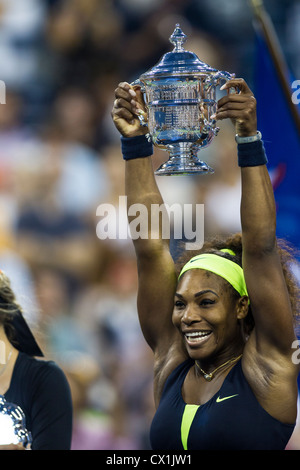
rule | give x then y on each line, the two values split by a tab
220	322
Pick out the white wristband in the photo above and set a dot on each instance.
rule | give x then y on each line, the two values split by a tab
247	140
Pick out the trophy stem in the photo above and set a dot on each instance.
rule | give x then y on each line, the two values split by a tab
183	161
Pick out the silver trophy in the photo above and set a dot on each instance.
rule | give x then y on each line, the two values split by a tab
12	424
180	97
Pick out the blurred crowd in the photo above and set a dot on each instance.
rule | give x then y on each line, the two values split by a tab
61	61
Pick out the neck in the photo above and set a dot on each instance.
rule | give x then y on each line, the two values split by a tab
3	337
211	370
215	360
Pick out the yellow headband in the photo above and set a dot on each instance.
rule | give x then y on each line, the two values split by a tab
223	267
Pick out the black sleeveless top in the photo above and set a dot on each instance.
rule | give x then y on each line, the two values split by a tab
41	390
231	420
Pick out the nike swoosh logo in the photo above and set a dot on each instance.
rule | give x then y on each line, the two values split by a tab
198	257
218	400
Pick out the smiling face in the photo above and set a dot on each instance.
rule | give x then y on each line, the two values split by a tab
206	313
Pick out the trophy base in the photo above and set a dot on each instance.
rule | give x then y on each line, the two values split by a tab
183	163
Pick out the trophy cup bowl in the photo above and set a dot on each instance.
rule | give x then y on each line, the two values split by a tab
180	98
12	424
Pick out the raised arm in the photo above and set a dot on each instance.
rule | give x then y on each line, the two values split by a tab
156	272
270	302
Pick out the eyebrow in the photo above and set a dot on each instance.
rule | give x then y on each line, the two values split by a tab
198	294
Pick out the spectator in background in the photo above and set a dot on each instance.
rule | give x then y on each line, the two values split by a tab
58	188
106	313
85	37
75	112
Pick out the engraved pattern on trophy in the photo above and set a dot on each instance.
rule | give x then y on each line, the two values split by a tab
176	120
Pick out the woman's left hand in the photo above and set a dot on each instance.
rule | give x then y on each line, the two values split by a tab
240	107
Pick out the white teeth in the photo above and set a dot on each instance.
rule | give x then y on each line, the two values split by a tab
197	335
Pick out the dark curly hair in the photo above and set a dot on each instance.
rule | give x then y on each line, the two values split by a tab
234	243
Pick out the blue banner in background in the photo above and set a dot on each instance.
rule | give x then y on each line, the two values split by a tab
282	142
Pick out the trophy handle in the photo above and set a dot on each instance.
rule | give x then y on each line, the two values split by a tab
223	77
142	116
209	123
140	84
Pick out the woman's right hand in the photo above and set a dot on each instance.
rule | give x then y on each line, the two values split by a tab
127	105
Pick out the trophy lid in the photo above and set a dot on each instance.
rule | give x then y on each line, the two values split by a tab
179	61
